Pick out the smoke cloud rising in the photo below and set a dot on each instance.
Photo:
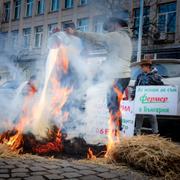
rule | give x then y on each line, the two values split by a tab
84	87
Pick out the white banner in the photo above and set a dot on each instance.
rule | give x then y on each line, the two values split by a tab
128	118
97	116
161	100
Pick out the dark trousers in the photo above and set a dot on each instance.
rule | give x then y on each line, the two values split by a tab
114	98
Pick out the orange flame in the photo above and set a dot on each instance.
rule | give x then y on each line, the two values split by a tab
90	154
57	102
60	96
63	62
114	123
53	146
25	117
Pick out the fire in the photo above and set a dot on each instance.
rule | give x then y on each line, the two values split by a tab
63	62
13	139
25	117
33	110
114	124
53	146
60	96
28	143
90	154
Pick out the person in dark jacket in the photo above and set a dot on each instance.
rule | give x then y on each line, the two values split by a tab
148	77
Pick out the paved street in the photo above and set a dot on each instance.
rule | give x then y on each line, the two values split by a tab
29	167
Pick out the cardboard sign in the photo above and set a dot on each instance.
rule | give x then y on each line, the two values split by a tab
128	121
161	100
128	118
97	116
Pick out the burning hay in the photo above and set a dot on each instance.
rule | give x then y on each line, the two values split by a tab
55	144
153	154
27	143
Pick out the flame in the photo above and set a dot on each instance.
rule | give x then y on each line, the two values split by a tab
33	111
90	154
39	108
15	142
114	124
63	62
13	139
53	146
60	96
25	117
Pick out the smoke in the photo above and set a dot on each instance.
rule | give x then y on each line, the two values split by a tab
83	89
10	86
13	81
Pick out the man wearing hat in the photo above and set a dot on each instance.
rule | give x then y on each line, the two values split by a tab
148	77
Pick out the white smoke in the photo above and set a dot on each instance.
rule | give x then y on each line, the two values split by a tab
10	88
91	91
86	104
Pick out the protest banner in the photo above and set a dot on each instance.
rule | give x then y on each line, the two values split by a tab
128	118
97	116
161	100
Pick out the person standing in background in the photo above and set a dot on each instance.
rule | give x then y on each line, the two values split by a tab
148	77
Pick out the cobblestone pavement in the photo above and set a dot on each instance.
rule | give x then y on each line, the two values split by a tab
29	167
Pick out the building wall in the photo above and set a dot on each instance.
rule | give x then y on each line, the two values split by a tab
32	54
152	45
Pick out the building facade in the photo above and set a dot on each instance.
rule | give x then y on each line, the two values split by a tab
161	28
26	25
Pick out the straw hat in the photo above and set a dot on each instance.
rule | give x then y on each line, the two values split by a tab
146	62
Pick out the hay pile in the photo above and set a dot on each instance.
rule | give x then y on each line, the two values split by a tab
153	154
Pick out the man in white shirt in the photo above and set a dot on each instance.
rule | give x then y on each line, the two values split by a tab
118	45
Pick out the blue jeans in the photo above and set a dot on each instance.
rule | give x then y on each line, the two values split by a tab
139	122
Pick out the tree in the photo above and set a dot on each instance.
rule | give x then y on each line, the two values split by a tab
111	7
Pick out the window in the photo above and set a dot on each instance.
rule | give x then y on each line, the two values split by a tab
38	36
68	4
14	38
51	27
167	18
54	5
40	7
82	2
17	9
29	8
146	21
65	23
6	11
83	24
27	37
